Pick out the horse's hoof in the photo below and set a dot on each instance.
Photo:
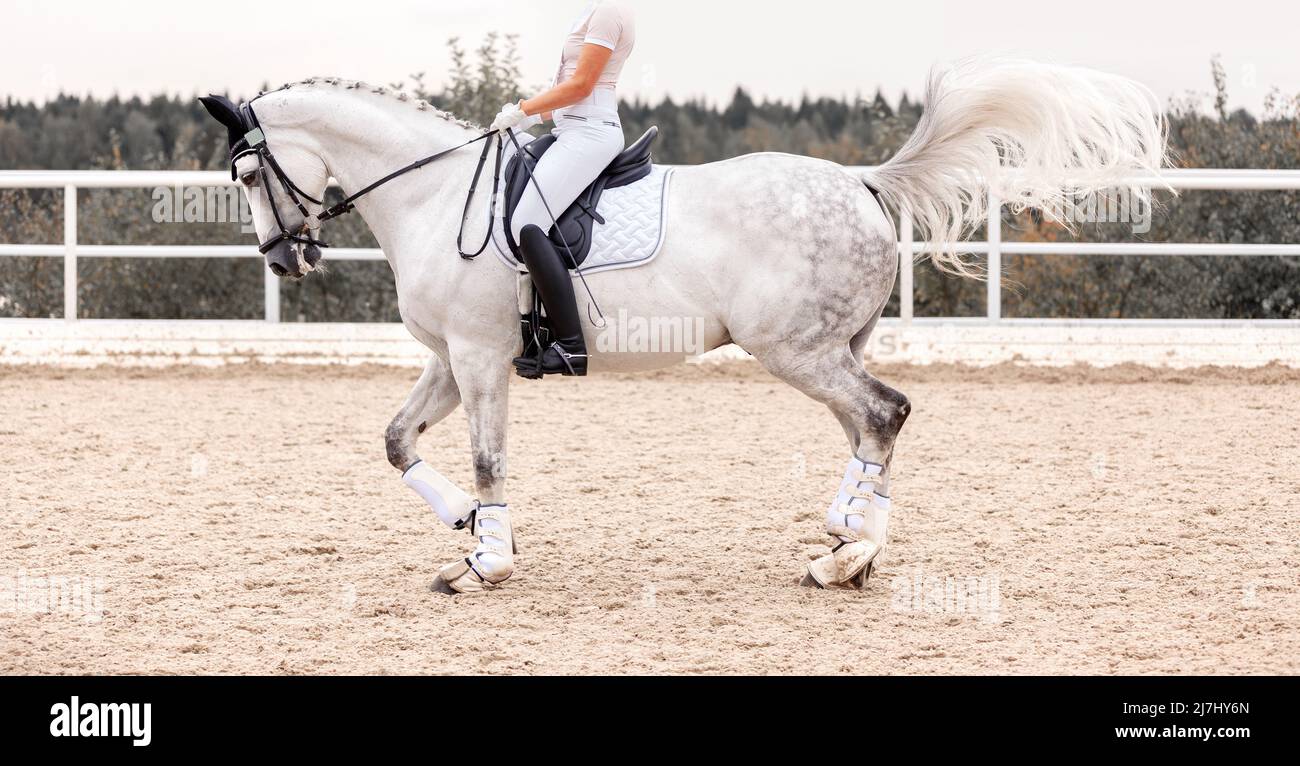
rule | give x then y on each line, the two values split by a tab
859	582
848	568
821	573
461	579
440	586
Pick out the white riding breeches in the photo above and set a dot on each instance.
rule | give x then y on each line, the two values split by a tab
588	138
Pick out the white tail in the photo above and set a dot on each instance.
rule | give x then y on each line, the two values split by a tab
1036	135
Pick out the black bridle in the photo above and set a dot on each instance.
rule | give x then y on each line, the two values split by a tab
254	143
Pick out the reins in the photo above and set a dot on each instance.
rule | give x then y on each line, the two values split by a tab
469	199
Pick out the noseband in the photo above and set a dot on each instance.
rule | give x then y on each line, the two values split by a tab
254	143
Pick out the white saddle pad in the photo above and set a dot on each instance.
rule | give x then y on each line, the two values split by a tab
636	217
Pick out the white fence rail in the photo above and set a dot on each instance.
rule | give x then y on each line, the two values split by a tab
1176	344
994	248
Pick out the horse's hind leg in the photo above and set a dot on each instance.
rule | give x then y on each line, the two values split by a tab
872	414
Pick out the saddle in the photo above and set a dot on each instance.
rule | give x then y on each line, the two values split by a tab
574	224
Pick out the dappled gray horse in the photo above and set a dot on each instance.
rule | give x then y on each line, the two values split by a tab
792	259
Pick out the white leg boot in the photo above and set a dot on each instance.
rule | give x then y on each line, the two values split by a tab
857	522
493	561
448	501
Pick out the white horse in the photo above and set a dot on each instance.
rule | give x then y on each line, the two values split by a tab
790	258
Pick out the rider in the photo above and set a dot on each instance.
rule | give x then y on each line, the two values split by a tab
584	105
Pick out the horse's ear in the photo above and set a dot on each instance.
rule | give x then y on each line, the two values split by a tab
224	111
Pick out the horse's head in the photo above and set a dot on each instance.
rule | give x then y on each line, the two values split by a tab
284	188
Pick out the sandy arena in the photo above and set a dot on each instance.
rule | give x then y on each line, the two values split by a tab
1047	521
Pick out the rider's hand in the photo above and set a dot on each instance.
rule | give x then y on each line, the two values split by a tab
512	117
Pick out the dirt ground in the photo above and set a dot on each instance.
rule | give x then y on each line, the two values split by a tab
1047	521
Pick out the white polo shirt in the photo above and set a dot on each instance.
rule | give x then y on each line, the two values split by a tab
607	24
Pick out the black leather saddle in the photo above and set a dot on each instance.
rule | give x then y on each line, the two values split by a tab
575	223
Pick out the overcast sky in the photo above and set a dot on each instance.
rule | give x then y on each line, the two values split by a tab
684	48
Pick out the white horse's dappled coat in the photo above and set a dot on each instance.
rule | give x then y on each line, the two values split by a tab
791	258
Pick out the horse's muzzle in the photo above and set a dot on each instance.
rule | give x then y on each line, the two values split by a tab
283	261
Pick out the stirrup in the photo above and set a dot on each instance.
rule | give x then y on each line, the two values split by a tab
575	364
534	367
528	367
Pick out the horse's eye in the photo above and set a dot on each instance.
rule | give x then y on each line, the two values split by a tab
248	179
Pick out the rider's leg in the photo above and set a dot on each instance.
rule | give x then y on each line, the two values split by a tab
582	150
567	354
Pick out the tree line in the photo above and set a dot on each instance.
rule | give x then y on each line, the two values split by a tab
170	132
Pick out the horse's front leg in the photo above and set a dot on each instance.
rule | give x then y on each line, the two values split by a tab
434	397
483	379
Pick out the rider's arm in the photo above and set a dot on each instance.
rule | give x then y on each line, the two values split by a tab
591	62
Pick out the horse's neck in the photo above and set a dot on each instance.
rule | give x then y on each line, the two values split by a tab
364	137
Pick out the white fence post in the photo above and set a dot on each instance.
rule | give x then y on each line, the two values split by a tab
905	262
70	253
995	258
271	291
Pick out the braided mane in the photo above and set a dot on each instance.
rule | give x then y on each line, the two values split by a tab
381	90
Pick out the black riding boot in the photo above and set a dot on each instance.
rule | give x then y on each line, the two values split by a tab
567	355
